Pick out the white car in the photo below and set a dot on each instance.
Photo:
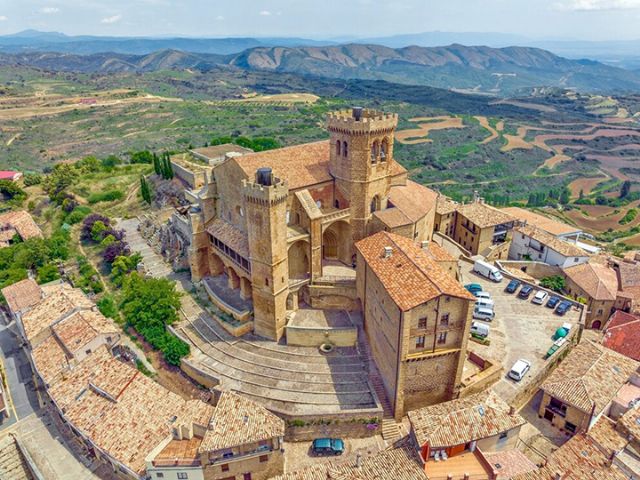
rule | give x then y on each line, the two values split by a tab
486	295
519	369
540	297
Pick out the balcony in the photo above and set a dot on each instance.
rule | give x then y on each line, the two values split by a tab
468	463
233	457
557	410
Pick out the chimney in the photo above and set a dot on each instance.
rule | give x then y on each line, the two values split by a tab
424	244
476	197
512	410
388	251
358	460
357	113
263	176
558	476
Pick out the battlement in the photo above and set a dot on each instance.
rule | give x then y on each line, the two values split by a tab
361	121
273	194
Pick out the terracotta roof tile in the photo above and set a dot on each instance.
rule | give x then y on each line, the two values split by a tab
549	225
413	199
50	359
22	295
622	334
410	274
231	236
599	281
604	433
76	330
393	217
21	222
237	421
446	205
509	463
631	422
563	248
300	166
483	215
589	377
463	420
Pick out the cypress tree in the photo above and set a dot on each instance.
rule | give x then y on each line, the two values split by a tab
156	164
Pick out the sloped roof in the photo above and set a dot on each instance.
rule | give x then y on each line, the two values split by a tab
589	377
231	236
22	295
300	165
483	215
446	205
78	329
631	422
237	421
599	281
22	223
410	275
549	225
413	199
463	420
563	248
622	334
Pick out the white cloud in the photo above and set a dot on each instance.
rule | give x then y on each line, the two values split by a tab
265	13
3	18
49	10
113	19
590	5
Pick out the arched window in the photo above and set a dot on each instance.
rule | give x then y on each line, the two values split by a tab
288	216
345	149
375	204
384	152
338	148
374	152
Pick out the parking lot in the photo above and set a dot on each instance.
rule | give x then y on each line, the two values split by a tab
298	454
521	329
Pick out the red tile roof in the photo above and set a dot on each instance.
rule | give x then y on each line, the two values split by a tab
410	274
622	334
22	295
8	174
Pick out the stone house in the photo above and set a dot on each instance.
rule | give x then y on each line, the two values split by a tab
533	243
445	220
17	224
480	227
417	318
583	387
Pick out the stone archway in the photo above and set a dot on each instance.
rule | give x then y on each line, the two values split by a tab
216	266
597	325
299	260
337	242
234	278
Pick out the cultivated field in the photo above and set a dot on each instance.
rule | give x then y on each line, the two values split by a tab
427	124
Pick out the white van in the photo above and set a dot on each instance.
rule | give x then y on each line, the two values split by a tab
519	369
480	329
483	313
486	295
487	270
484	302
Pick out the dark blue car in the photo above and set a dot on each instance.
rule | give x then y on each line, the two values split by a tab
327	446
563	308
525	291
512	287
553	301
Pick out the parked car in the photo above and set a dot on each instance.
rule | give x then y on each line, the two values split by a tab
553	301
525	292
327	446
484	302
563	308
519	369
480	329
540	297
513	286
483	313
486	295
473	287
487	270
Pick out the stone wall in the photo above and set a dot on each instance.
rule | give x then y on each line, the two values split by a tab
355	429
168	240
314	337
537	270
332	297
489	374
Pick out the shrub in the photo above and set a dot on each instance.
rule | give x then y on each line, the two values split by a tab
48	273
108	196
114	250
144	156
30	179
97	229
77	215
87	225
556	283
108	308
629	217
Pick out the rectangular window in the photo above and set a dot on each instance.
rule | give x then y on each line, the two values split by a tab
246	476
444	320
422	323
264	458
442	338
225	467
503	435
159	475
600	311
420	342
570	427
182	475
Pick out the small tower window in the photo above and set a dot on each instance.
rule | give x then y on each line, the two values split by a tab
374	152
288	216
384	151
345	149
338	148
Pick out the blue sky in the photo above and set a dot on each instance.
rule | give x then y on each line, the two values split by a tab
581	19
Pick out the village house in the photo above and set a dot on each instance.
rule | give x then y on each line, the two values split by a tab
127	420
445	220
597	285
480	227
534	244
10	175
622	334
416	317
17	224
454	437
628	295
584	386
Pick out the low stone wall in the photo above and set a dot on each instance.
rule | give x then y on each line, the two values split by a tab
355	429
332	297
196	373
238	315
314	337
482	380
537	270
194	179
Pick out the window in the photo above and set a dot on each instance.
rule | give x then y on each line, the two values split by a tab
558	407
447	299
225	467
600	311
345	149
420	341
337	203
182	475
246	476
288	216
266	282
338	148
374	152
89	351
422	323
442	338
264	458
159	475
576	259
570	427
444	320
503	435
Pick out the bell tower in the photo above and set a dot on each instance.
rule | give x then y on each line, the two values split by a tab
266	204
361	157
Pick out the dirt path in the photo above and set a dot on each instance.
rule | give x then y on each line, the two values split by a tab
416	136
484	122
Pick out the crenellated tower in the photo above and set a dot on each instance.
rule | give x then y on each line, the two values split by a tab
266	205
361	159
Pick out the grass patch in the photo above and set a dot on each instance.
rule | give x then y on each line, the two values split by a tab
108	196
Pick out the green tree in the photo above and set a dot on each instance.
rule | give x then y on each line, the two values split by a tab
123	265
11	192
61	178
145	190
143	156
565	196
625	189
557	283
48	273
97	229
156	165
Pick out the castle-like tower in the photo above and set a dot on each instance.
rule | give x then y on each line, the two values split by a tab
266	205
361	156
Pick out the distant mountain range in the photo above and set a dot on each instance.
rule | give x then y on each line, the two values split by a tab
498	71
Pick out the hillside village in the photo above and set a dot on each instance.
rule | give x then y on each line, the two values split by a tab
326	295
